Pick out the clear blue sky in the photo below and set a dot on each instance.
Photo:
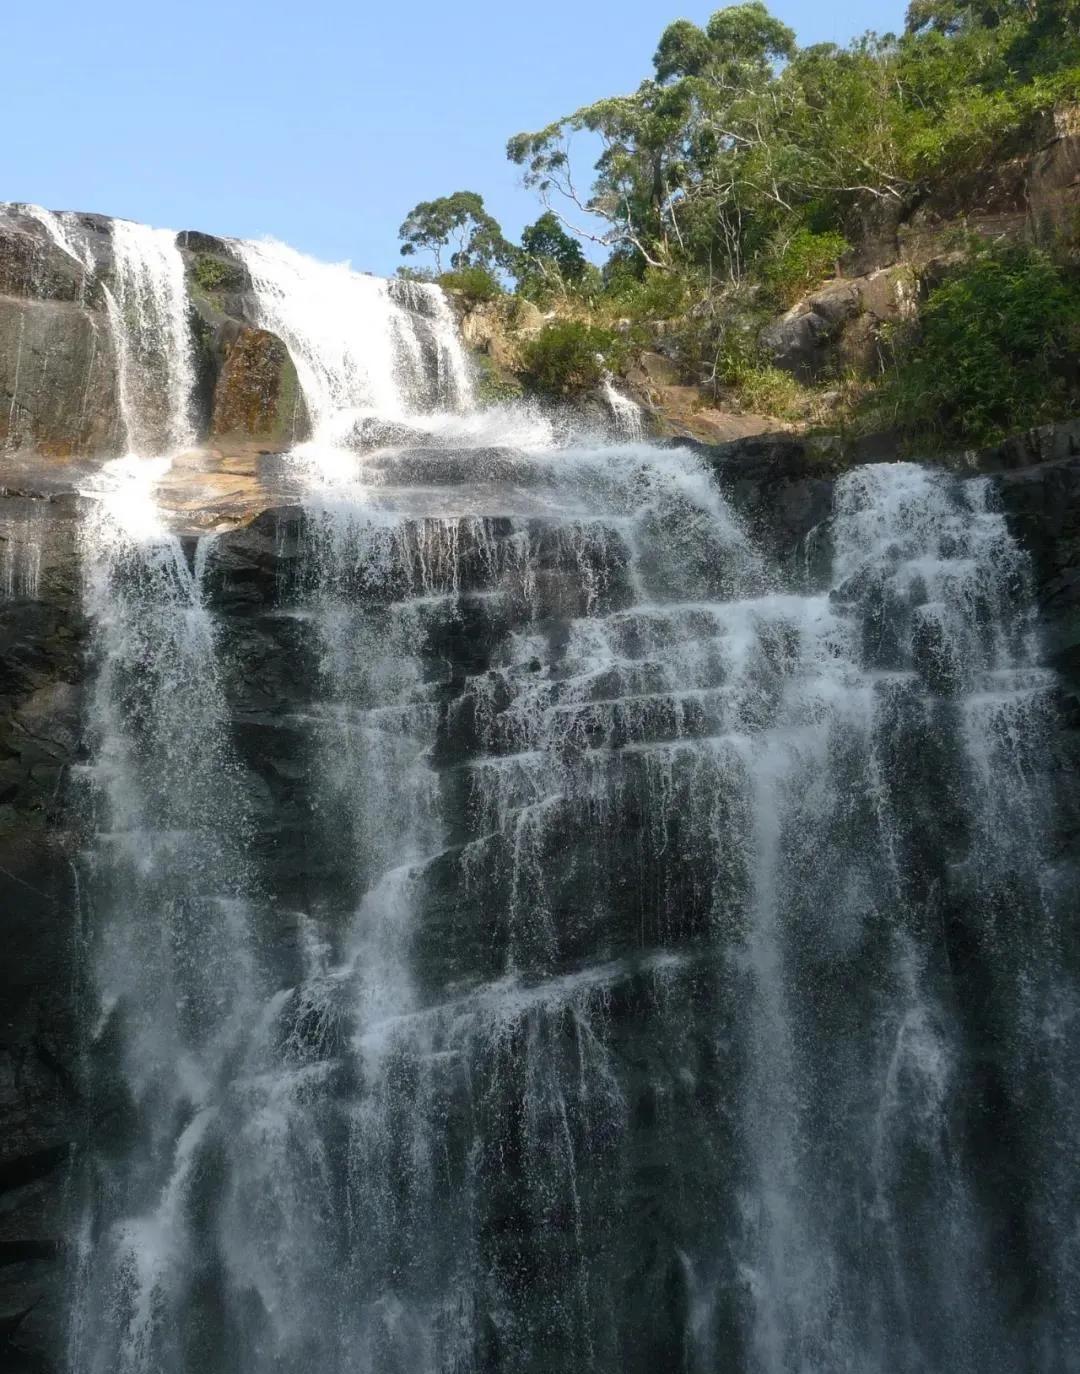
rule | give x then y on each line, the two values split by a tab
320	123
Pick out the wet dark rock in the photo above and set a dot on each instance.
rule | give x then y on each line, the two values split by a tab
57	379
41	675
1043	506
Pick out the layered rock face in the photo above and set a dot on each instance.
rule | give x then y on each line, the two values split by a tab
57	358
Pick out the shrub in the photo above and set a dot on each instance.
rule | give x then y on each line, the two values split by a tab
419	274
769	391
476	284
568	356
992	349
795	263
654	296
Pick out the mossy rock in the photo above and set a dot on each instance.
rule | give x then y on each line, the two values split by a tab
213	275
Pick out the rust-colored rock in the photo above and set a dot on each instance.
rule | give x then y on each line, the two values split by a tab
684	412
257	394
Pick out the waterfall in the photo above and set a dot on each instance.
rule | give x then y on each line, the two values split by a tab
147	305
148	313
362	346
541	935
173	961
626	413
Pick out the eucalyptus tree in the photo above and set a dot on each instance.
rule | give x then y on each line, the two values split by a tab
458	223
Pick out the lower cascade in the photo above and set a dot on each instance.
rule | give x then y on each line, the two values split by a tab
533	931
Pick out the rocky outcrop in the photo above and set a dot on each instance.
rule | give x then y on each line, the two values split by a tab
57	379
257	394
497	329
902	248
59	390
57	363
841	326
1034	194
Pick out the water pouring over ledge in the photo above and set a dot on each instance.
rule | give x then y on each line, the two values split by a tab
601	949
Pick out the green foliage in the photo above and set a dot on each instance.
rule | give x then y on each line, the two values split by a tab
549	260
730	181
420	274
740	137
476	284
215	274
766	390
653	296
458	221
568	357
797	262
994	349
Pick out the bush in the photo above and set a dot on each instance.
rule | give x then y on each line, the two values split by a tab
795	263
992	351
476	284
418	274
654	296
568	356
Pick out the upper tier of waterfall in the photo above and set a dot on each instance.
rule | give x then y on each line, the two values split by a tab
362	346
365	349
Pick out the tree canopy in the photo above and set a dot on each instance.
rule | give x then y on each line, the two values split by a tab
740	137
459	223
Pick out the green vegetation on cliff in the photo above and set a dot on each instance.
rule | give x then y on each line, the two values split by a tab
742	172
995	347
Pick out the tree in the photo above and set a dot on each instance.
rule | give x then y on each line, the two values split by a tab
740	43
956	16
549	256
459	221
673	139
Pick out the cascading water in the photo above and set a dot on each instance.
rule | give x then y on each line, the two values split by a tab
175	979
599	949
363	346
148	311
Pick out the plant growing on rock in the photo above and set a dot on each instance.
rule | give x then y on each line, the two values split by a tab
994	349
476	284
568	357
215	274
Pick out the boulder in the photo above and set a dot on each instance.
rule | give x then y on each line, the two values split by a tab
688	411
498	328
257	395
839	327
